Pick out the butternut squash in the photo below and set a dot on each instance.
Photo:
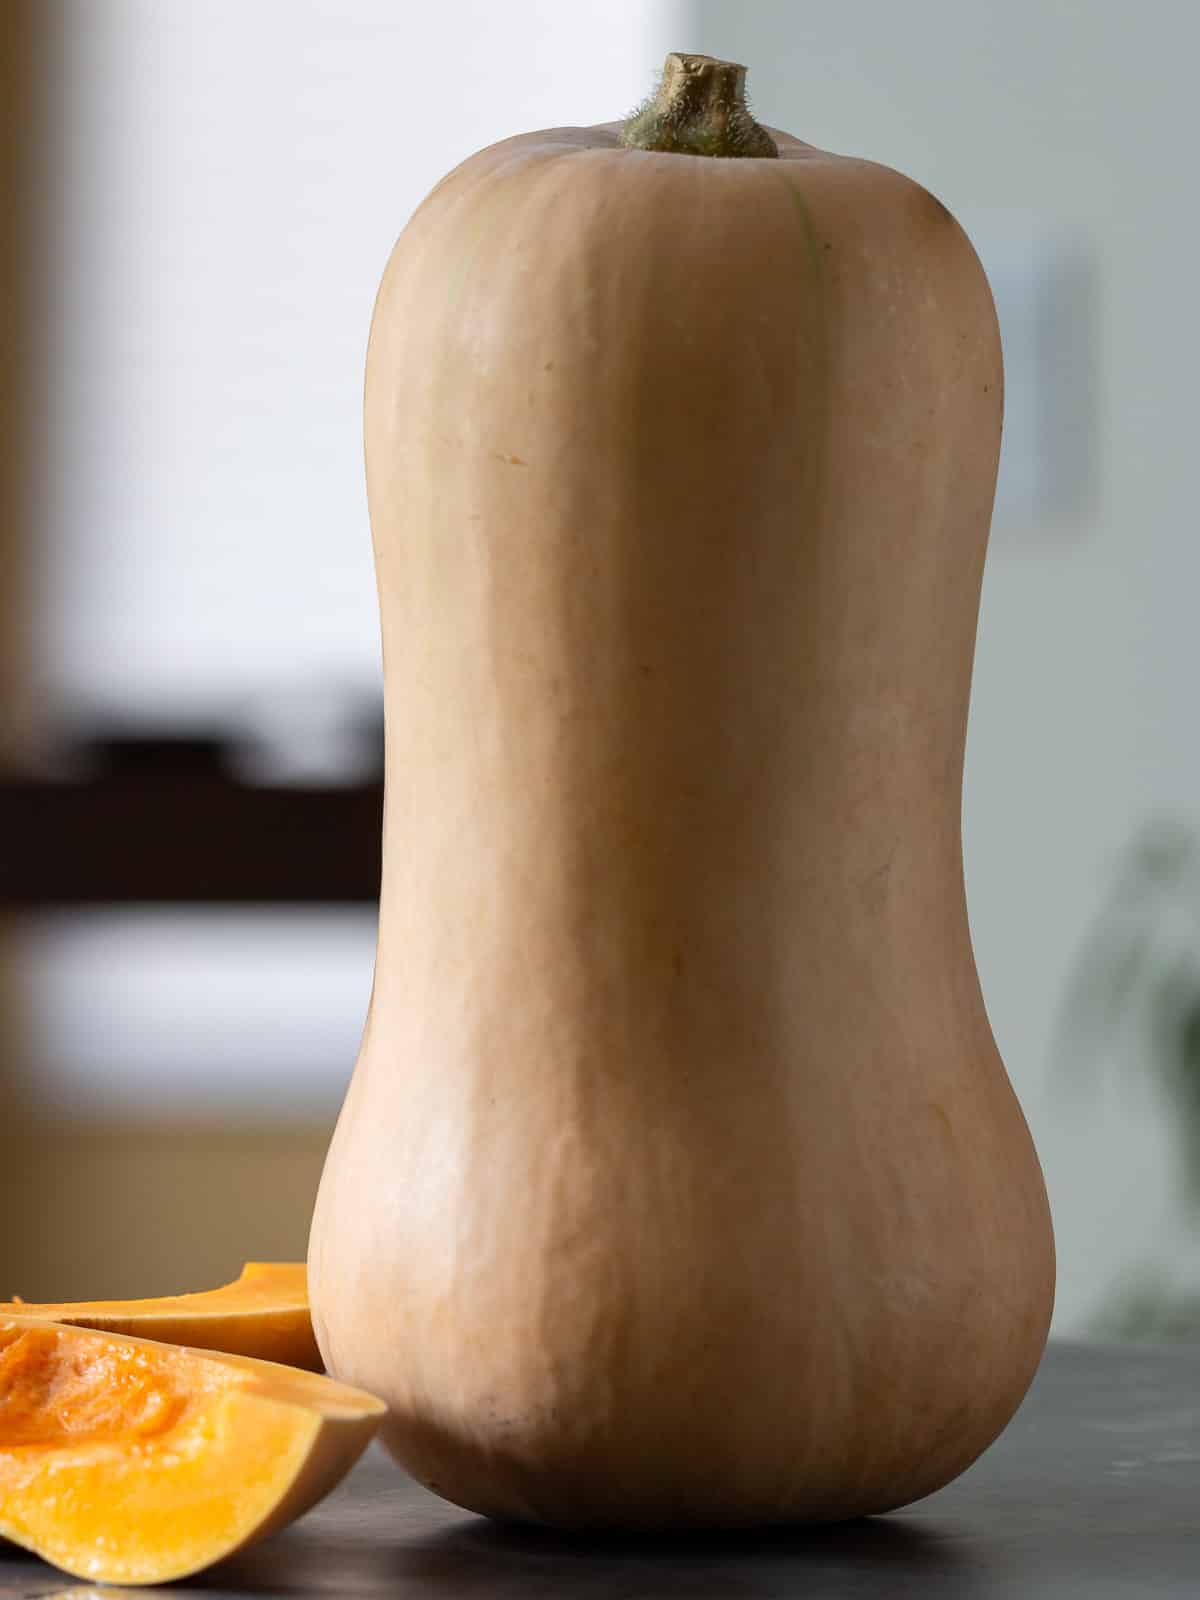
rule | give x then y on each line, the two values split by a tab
679	1181
124	1460
263	1313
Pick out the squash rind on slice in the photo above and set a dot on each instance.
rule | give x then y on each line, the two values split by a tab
263	1313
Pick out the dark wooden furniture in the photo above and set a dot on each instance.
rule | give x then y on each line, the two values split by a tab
154	820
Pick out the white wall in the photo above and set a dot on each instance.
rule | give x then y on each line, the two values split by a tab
1084	714
234	174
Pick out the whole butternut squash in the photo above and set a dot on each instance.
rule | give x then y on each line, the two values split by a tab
679	1181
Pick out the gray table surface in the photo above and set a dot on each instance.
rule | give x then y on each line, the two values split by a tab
1093	1491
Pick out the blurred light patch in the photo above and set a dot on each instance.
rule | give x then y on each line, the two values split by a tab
203	1014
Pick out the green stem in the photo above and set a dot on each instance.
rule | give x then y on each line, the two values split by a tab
699	110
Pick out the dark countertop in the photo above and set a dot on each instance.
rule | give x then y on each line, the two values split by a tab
1092	1493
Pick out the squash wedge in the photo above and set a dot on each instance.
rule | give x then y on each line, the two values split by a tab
124	1460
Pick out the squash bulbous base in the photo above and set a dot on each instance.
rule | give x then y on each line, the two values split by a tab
653	1480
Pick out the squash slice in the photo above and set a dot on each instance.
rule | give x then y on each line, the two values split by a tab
124	1460
264	1314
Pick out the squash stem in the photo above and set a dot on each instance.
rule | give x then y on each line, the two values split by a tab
699	109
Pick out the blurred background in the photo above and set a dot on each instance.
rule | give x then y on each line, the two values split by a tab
198	202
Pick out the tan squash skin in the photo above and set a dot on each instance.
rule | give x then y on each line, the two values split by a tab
680	1181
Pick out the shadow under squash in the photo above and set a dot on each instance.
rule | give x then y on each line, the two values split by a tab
476	1559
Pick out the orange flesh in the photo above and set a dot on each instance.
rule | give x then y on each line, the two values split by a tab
53	1395
263	1313
262	1285
129	1461
109	1455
